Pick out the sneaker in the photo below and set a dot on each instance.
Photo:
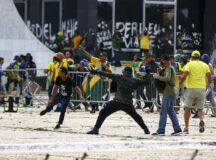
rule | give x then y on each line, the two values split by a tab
212	115
176	133
57	126
158	134
146	130
186	131
43	112
93	131
201	126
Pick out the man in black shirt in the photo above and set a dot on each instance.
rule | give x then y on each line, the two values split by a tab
123	98
65	84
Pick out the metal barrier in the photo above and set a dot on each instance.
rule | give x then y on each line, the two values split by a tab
149	96
29	89
12	87
25	88
96	89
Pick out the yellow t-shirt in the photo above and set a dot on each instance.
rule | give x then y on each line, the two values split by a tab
95	61
197	74
76	41
58	66
51	68
144	42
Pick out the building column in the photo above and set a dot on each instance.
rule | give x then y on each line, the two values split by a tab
86	15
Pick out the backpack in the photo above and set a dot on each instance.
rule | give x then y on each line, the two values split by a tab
160	85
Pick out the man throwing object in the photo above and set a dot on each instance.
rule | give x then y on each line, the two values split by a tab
123	98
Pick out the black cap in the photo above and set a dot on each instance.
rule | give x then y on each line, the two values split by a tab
165	57
28	54
127	70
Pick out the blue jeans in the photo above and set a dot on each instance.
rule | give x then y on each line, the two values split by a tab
64	103
167	107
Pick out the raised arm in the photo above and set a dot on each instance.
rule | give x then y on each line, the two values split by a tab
87	54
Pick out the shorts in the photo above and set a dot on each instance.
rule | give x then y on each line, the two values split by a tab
195	98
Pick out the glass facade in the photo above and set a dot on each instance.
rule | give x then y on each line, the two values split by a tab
159	20
160	26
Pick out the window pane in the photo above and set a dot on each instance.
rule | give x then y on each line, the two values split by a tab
160	23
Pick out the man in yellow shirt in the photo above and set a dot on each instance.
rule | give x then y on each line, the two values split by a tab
99	63
196	72
102	65
50	71
61	62
144	43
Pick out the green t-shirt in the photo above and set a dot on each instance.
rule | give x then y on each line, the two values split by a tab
170	78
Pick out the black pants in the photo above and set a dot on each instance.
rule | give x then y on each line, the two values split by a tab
64	103
140	93
113	106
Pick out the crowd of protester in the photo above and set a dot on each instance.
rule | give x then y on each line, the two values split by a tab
84	56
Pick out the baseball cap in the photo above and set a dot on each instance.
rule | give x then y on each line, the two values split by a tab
205	58
16	57
84	63
103	54
165	57
195	53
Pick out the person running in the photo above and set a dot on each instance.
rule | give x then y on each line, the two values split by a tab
123	98
168	99
65	84
196	73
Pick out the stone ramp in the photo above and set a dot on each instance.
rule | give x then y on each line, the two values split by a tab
16	38
106	146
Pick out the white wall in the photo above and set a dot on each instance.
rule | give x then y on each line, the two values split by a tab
15	37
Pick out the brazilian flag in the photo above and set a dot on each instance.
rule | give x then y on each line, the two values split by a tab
95	87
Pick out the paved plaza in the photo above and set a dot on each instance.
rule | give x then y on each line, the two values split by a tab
28	136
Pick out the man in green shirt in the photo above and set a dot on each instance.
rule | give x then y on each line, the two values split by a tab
168	99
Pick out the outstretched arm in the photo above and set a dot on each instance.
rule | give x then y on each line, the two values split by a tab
114	77
87	54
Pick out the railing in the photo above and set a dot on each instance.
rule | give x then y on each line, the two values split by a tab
25	88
